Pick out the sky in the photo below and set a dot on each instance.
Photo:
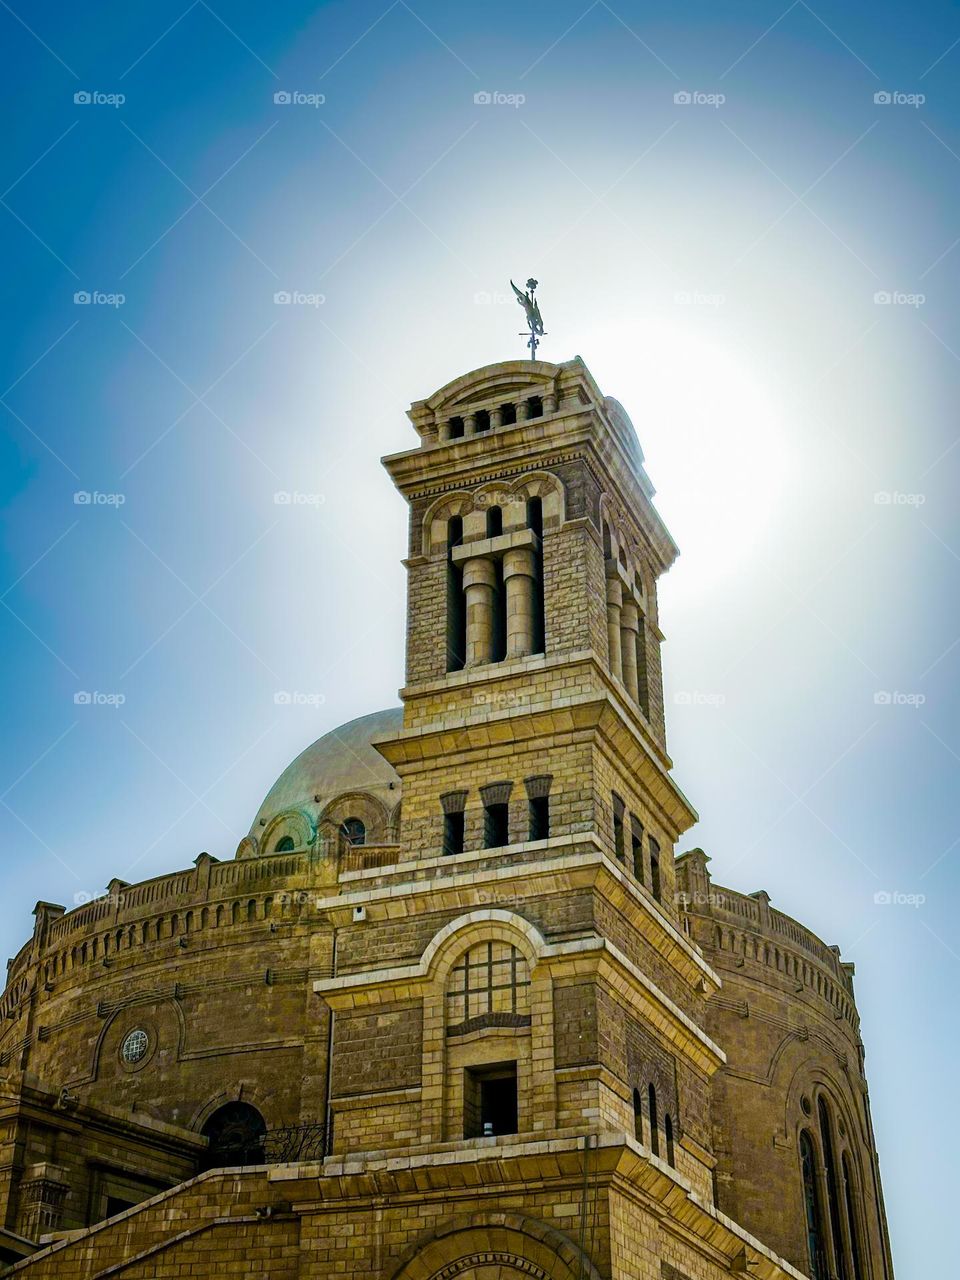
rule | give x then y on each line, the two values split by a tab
239	239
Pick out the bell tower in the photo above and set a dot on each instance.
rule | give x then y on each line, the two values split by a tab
532	633
539	814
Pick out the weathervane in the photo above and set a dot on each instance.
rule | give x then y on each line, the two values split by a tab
532	311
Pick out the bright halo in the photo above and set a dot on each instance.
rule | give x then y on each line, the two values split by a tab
713	442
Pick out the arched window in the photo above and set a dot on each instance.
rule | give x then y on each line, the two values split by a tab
654	1123
488	986
236	1134
848	1193
284	845
833	1194
353	832
811	1204
535	515
668	1134
494	522
637	1116
654	848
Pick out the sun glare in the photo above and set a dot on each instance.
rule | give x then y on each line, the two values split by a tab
713	441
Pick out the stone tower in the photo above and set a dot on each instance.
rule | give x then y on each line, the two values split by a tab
533	757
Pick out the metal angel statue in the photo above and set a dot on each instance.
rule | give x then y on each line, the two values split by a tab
532	311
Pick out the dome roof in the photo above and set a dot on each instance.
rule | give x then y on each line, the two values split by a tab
342	760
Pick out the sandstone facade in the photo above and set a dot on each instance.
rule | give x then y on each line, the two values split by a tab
456	1008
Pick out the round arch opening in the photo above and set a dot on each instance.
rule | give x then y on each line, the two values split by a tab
237	1135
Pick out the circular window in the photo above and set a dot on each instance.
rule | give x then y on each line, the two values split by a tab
805	1104
135	1045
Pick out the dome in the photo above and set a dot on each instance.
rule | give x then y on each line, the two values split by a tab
341	761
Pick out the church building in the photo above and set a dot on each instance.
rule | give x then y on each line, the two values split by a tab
460	1006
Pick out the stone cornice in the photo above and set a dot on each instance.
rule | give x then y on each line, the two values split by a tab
583	431
493	674
444	740
562	863
616	1161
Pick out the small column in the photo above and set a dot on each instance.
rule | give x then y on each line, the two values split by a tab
479	585
523	410
643	683
629	626
443	430
614	606
469	424
519	577
496	419
549	402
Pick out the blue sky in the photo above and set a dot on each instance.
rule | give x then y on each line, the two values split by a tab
764	274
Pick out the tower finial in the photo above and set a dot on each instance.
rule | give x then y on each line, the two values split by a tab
532	311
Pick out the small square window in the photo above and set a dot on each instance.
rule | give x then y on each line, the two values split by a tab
490	1100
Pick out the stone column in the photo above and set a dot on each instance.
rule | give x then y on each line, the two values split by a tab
523	410
443	430
614	607
469	424
629	626
496	419
479	585
519	577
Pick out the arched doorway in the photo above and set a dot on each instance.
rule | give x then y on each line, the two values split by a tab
236	1133
494	1246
